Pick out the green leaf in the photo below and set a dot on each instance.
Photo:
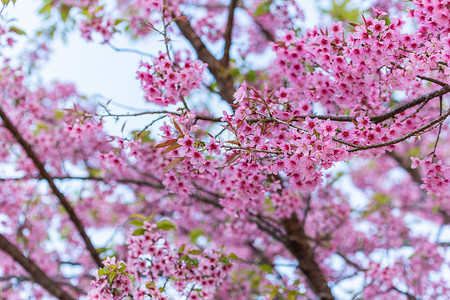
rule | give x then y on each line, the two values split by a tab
137	223
235	257
131	276
341	12
101	250
58	115
195	234
144	136
118	21
165	225
292	295
17	30
195	252
193	262
436	209
225	260
41	126
138	216
251	76
266	268
235	72
378	201
185	258
263	8
64	11
101	272
139	231
415	152
5	2
112	275
181	249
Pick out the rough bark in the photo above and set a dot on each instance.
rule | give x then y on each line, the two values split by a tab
298	244
222	76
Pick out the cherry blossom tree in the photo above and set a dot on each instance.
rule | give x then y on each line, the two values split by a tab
255	202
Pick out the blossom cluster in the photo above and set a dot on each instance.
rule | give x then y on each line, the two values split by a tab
349	91
435	180
165	82
153	264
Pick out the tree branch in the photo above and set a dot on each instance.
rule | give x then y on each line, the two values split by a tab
228	33
62	199
298	244
404	106
438	82
295	238
402	138
377	118
222	76
36	273
351	263
406	165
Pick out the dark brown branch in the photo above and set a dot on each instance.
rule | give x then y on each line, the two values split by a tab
269	36
404	106
228	33
402	138
406	165
389	114
35	272
408	295
438	82
298	244
222	76
62	199
351	263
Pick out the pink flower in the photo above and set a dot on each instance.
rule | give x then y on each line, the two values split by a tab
187	145
213	147
377	27
415	162
379	12
328	129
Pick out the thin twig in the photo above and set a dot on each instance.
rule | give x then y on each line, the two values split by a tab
439	132
130	51
349	262
438	82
